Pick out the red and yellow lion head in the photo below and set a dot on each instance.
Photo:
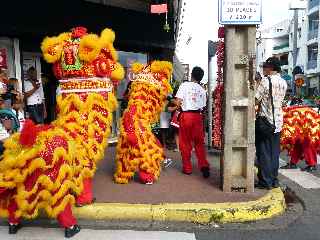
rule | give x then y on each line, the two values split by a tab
78	54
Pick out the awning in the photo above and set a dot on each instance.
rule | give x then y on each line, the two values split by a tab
178	69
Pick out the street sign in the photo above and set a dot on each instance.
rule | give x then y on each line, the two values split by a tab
298	4
240	12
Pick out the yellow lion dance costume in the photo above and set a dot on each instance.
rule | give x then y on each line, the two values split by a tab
51	167
138	150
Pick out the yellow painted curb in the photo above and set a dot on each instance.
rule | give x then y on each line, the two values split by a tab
272	204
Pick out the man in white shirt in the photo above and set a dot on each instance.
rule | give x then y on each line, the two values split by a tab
35	97
5	125
191	97
268	148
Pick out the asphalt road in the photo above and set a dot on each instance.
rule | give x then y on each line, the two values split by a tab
301	221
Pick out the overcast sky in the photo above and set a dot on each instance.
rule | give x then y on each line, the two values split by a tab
201	23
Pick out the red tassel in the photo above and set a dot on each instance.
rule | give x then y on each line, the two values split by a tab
30	132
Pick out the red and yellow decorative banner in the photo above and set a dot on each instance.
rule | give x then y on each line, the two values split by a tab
86	85
218	94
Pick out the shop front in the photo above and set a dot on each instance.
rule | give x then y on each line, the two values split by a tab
140	36
10	57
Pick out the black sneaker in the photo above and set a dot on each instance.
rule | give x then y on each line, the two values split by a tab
79	205
14	228
262	186
70	232
205	172
290	166
186	173
276	185
309	169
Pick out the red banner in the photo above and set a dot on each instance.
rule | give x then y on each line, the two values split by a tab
3	58
159	8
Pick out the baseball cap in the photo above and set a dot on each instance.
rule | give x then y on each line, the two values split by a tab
272	62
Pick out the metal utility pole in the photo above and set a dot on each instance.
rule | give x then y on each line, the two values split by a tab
296	6
295	46
295	37
210	102
212	47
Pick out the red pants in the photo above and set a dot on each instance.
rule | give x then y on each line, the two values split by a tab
65	218
306	150
86	197
191	132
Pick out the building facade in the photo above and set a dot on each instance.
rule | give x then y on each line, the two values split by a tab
141	35
278	40
275	41
311	46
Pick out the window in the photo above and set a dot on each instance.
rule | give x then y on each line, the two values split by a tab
313	52
312	56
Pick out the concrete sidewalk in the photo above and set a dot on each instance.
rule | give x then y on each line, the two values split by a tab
172	187
176	197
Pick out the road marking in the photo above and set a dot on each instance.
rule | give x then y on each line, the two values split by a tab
37	233
304	179
282	162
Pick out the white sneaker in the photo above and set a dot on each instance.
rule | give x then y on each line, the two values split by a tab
167	162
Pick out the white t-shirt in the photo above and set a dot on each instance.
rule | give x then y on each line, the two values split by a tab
279	88
3	133
21	118
58	91
165	119
37	97
193	96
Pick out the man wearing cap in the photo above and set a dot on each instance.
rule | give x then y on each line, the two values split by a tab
268	148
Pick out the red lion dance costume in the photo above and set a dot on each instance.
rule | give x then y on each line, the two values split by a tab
51	167
138	150
301	135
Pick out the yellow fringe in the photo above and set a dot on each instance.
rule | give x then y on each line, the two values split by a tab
88	47
52	49
13	166
148	155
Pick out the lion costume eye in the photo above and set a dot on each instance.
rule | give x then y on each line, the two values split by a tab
88	47
52	49
107	38
164	67
136	67
118	73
